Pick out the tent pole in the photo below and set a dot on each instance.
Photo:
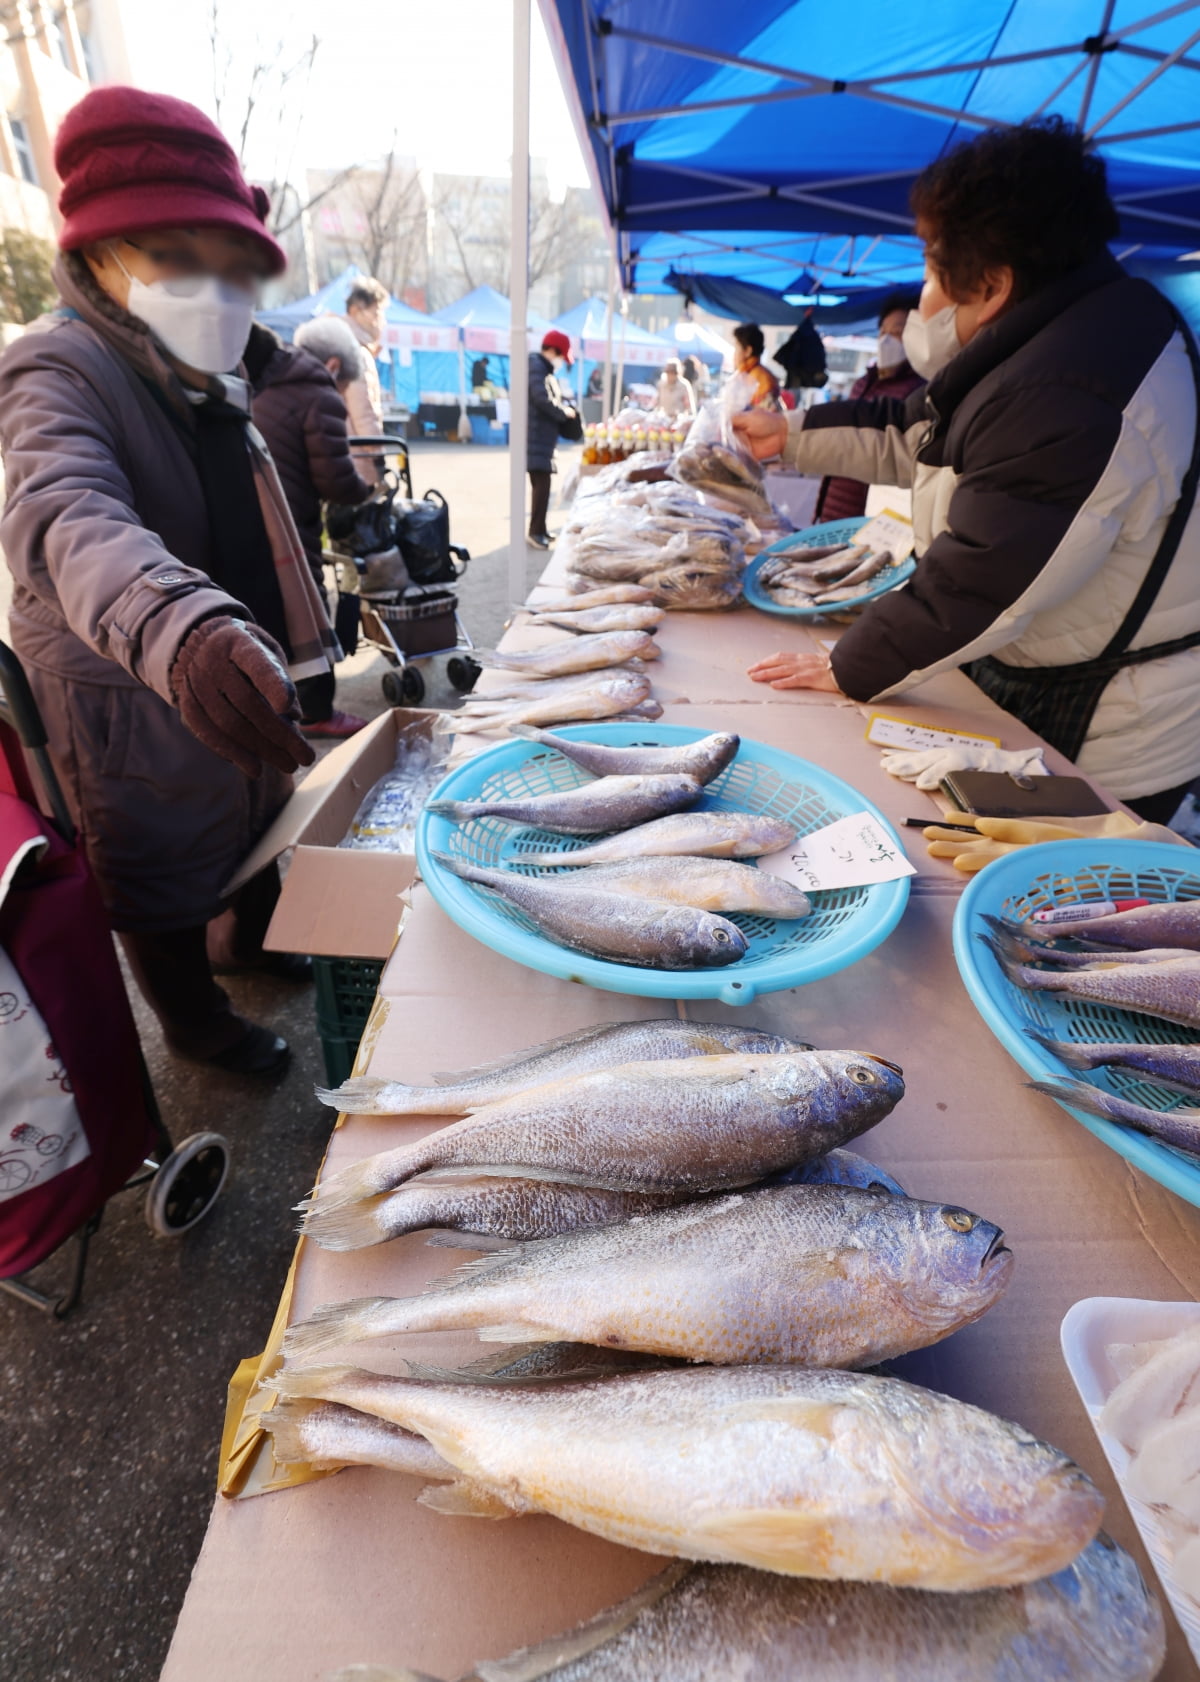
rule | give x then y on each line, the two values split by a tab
608	346
518	347
621	358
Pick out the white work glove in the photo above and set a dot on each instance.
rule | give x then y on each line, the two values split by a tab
927	767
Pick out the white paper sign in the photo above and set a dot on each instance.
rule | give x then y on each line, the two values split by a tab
888	732
851	853
888	530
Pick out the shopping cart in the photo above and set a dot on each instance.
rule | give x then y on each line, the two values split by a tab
420	621
55	935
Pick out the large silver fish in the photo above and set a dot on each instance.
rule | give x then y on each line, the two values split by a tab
1034	951
810	1473
577	654
649	934
1170	989
696	1124
608	697
609	595
485	1208
627	616
602	1046
1180	1127
1094	1621
1170	923
594	808
722	835
822	1276
720	885
703	759
1172	1065
517	686
842	1168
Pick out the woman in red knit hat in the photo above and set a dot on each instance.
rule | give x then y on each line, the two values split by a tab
162	606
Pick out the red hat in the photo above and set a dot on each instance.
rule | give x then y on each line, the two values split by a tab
555	340
131	162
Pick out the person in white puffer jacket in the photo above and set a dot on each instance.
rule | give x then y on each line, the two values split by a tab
1052	460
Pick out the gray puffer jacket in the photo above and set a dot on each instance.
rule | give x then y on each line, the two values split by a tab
105	532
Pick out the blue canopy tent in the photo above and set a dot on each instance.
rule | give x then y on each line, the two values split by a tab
803	117
482	319
642	354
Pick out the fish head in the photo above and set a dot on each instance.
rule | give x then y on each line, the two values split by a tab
1101	1610
712	940
856	1089
948	1264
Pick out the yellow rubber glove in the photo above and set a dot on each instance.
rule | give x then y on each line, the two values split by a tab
997	836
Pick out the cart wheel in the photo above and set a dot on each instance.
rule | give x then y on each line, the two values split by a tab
412	687
463	672
393	694
187	1185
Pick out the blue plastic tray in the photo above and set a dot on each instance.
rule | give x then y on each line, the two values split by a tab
815	537
843	926
1056	873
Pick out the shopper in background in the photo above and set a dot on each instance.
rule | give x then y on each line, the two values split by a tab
762	386
160	594
551	417
1047	457
890	375
802	357
366	315
675	396
696	375
298	407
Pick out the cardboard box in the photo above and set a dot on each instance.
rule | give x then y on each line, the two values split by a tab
337	902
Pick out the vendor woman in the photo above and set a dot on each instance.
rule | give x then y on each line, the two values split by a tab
1051	464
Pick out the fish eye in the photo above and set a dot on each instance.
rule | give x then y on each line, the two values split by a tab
722	935
958	1220
861	1076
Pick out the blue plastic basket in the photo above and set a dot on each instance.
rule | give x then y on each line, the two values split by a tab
844	925
1056	873
815	537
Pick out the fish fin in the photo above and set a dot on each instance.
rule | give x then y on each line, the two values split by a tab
550	1658
519	1333
465	1499
357	1096
495	1262
456	1238
346	1226
285	1422
334	1323
790	1540
322	1384
457	1077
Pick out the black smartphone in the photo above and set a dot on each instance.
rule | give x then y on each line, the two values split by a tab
995	794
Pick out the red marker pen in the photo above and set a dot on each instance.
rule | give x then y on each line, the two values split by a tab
1085	911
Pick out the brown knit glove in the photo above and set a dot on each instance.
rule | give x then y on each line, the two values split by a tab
235	696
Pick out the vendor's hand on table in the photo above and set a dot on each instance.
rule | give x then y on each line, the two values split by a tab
762	432
233	693
796	671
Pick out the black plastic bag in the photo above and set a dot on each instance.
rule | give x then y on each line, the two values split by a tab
423	537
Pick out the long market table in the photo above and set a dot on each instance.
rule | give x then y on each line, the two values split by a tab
293	1584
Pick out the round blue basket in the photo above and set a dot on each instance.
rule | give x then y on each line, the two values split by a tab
815	537
843	926
1058	873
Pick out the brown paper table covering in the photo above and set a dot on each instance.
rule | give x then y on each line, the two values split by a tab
293	1584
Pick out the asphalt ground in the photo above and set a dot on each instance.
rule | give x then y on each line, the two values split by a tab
110	1421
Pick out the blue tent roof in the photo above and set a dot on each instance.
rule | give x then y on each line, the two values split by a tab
485	307
814	116
588	322
330	299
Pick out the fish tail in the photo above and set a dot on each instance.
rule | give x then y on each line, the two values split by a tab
322	1384
335	1323
351	1226
1014	971
1094	1100
458	867
360	1095
287	1422
530	733
456	810
381	1673
373	1174
1074	1056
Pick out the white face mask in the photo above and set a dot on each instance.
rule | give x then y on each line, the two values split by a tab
930	344
891	351
204	322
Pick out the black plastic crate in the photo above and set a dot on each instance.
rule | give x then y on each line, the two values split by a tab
345	994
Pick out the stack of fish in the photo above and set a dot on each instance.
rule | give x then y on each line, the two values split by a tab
725	476
655	892
593	674
1146	961
658	1186
684	552
822	577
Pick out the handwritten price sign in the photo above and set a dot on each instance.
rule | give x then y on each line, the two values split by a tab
851	853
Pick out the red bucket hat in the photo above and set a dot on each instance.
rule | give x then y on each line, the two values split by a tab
559	342
131	162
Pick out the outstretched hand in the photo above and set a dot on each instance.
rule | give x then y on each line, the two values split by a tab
761	431
796	671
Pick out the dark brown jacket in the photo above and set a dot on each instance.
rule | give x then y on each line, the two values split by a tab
105	532
297	409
